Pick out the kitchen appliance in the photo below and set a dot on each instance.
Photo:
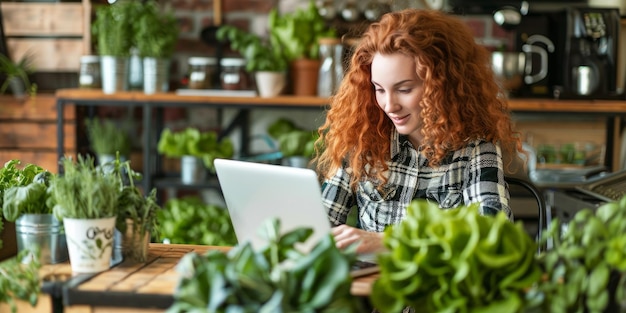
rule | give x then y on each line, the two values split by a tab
583	63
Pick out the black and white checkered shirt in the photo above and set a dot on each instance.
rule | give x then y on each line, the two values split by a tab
472	174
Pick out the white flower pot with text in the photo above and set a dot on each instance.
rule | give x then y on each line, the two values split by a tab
90	243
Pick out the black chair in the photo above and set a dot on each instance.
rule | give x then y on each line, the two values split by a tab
517	183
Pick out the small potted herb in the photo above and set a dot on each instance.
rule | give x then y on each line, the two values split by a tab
155	36
108	138
85	198
266	61
137	217
295	144
17	76
197	150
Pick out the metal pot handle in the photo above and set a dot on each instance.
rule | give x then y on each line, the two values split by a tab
529	49
543	70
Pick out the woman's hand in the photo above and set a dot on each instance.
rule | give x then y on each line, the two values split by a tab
370	242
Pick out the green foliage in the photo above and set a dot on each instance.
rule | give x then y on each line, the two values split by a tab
107	137
455	260
12	176
298	32
112	28
587	266
192	141
292	140
28	199
84	190
260	55
277	278
188	220
155	31
19	281
19	70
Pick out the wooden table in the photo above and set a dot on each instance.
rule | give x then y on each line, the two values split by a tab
129	287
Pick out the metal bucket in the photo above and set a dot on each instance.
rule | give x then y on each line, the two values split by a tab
43	232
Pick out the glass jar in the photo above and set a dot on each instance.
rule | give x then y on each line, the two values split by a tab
89	74
234	76
201	71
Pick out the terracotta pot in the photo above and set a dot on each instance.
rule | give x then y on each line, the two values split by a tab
304	75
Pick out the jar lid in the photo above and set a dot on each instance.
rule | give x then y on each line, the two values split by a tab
89	59
233	62
201	61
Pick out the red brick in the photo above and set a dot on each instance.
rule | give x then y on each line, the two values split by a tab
477	27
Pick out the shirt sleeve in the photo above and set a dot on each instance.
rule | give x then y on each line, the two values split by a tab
485	182
337	197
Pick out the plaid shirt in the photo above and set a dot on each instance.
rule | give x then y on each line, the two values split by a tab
472	174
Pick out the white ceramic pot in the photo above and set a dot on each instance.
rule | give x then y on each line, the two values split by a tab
89	243
192	170
270	84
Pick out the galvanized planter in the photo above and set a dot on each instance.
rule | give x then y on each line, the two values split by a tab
43	232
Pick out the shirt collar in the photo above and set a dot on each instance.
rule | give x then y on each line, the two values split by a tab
398	142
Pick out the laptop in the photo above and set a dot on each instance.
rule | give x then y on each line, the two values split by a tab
255	192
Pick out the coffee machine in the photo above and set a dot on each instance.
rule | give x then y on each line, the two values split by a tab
583	63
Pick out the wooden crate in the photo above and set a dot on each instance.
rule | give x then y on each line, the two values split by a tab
55	34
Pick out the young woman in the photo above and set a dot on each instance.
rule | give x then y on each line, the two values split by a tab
419	114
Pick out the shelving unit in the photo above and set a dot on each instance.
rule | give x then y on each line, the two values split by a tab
152	119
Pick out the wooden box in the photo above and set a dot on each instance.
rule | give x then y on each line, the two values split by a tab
55	34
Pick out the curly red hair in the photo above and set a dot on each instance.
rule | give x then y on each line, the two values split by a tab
461	99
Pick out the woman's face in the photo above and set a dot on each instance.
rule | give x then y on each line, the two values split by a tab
398	92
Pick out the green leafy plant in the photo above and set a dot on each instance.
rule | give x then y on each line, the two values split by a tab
189	220
292	140
278	278
192	141
455	260
17	71
260	55
298	32
28	199
586	269
155	31
19	281
112	27
84	191
107	137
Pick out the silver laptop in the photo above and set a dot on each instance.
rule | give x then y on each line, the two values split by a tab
255	192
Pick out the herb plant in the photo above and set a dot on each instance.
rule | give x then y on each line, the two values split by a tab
260	55
189	220
278	278
586	269
455	260
298	32
17	71
19	281
84	191
28	199
192	141
292	140
112	27
155	31
107	137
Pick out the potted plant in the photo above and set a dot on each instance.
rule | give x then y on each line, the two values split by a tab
24	202
16	76
155	34
197	150
295	144
137	214
277	278
112	32
85	198
267	62
298	34
107	139
36	228
188	220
